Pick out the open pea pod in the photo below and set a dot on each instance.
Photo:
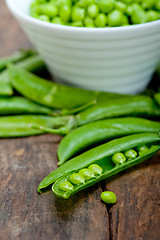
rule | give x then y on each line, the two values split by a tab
101	156
98	132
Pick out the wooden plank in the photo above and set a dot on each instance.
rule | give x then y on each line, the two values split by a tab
26	161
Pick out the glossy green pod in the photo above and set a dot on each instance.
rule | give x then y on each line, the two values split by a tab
96	133
21	105
5	89
19	126
99	155
109	169
142	106
52	94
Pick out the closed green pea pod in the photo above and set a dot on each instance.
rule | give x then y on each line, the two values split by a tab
101	155
46	92
96	133
21	105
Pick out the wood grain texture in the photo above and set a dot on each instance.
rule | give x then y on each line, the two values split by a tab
26	161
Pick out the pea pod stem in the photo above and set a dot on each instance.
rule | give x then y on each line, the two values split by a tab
99	155
21	105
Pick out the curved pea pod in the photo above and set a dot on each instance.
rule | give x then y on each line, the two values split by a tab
98	132
128	106
46	92
107	166
19	126
102	156
157	98
5	89
21	105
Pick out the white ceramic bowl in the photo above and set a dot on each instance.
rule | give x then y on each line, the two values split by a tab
120	59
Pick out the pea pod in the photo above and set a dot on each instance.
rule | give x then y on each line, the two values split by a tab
19	126
101	155
96	133
21	105
142	106
32	64
53	94
16	57
5	89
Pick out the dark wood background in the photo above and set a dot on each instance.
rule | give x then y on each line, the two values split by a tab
25	162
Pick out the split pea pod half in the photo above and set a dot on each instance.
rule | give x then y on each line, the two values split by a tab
98	132
140	106
19	126
103	161
15	57
21	105
5	89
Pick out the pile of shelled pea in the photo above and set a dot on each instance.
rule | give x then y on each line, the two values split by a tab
96	13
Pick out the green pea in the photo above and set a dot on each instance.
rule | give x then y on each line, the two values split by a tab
85	3
106	5
77	24
101	20
77	178
157	5
130	154
152	15
138	14
44	18
50	10
96	169
118	158
93	10
58	20
121	6
108	197
90	25
142	149
125	20
87	173
88	21
77	14
65	186
115	18
147	4
65	12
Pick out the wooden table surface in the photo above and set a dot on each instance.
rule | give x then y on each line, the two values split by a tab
25	162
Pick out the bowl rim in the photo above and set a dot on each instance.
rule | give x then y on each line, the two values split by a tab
49	25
